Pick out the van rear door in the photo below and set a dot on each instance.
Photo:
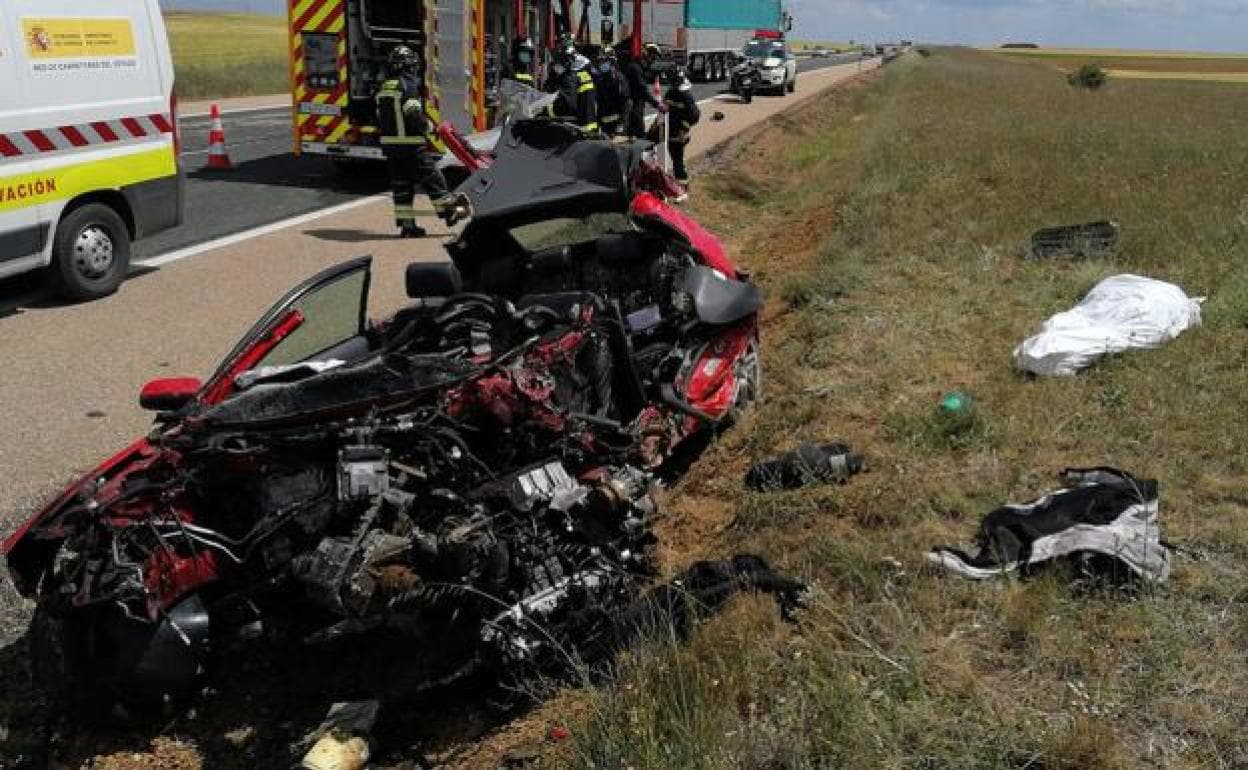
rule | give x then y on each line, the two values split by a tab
22	230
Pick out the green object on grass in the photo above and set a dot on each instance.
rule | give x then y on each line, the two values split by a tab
956	402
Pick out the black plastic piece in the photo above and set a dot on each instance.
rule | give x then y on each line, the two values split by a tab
719	300
433	279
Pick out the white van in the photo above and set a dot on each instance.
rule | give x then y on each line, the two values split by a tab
88	138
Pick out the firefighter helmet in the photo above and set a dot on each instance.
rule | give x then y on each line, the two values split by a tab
401	59
677	78
526	52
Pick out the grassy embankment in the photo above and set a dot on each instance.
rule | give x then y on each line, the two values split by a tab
228	54
887	224
1145	65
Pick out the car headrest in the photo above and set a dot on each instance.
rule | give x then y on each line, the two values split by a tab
433	279
623	247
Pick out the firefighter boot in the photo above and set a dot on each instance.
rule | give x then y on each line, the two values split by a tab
409	229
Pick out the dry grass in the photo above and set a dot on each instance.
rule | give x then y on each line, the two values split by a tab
903	279
228	54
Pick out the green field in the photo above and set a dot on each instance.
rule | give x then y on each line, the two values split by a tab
888	224
222	54
1150	65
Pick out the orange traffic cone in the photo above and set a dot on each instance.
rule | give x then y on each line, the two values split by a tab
218	156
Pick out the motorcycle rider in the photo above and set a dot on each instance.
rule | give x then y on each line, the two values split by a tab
573	81
637	75
683	114
524	61
612	91
406	136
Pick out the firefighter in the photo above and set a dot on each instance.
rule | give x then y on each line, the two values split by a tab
682	114
405	139
573	81
523	62
637	75
612	92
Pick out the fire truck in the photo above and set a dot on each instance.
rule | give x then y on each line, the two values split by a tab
338	52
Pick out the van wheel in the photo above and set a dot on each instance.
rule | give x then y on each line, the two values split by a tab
793	84
91	252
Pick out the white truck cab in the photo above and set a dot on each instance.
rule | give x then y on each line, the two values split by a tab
88	138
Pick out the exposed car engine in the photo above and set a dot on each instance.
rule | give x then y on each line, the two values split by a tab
478	463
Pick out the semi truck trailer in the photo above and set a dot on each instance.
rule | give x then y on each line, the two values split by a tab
704	36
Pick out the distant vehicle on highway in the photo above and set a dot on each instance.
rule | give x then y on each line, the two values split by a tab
88	139
821	53
777	66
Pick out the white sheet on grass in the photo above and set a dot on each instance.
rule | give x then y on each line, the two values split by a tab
1120	313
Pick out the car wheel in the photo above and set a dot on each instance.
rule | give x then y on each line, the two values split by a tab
101	665
793	84
90	252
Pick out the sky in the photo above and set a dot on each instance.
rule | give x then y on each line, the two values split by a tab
1185	25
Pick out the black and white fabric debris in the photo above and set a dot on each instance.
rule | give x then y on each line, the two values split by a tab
1099	511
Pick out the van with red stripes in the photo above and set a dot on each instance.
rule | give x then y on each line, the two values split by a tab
88	138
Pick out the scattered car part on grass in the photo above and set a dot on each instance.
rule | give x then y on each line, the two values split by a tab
1120	313
1093	240
809	464
1098	511
702	590
479	463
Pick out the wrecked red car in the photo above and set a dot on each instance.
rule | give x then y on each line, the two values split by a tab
482	459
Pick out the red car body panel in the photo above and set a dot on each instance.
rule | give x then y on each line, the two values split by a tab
652	208
171	578
711	385
216	391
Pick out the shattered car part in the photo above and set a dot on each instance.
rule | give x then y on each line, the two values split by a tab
1094	240
362	473
700	591
1100	510
808	464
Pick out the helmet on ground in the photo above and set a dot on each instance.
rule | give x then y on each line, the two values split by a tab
401	58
